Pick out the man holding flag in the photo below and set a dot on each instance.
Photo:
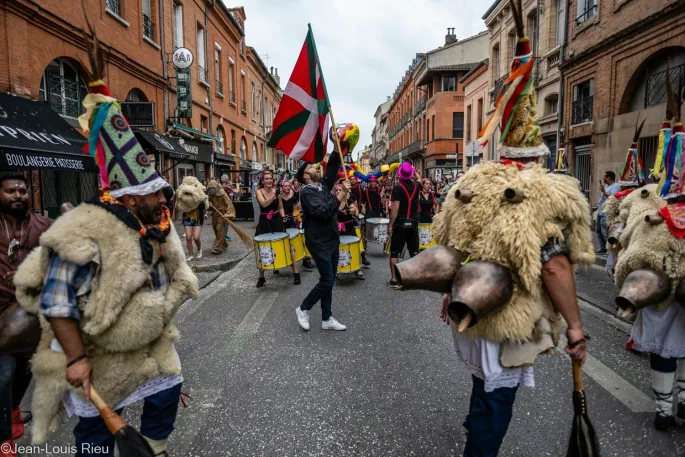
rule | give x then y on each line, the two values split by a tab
299	130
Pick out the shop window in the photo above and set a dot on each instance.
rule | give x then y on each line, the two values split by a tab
63	88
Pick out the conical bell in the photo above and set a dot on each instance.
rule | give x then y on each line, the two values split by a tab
434	269
479	288
613	233
680	292
643	288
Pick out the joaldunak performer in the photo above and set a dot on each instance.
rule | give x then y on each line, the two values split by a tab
649	270
510	235
222	209
106	282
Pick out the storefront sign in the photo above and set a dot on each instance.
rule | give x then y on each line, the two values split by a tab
184	93
139	114
27	159
257	166
194	151
182	58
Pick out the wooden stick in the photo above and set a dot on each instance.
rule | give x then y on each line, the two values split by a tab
337	143
113	421
244	237
577	376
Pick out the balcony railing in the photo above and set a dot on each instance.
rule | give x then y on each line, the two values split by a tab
655	92
553	59
588	13
420	105
497	87
244	107
231	97
114	6
219	88
202	74
148	27
582	110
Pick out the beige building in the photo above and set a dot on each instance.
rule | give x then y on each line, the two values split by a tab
364	159
476	92
379	136
544	25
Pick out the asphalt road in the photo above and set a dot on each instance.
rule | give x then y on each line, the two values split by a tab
388	386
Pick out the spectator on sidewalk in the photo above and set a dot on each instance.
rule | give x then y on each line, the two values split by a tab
607	187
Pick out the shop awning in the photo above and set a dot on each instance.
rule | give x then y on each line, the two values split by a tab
33	136
156	142
224	160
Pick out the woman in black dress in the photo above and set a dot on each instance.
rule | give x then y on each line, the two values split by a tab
270	219
286	205
428	204
347	211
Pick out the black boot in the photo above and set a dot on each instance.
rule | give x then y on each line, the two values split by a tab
261	281
663	422
365	261
307	263
297	281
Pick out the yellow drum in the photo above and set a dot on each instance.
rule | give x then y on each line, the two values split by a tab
272	251
377	230
358	232
296	244
306	251
426	239
350	259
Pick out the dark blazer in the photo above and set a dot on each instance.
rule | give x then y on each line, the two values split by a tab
320	213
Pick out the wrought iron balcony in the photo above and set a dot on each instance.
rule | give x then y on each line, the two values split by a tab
420	106
655	92
590	11
497	87
148	27
219	88
582	110
114	6
202	74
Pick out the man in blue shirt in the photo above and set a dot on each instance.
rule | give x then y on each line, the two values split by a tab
608	187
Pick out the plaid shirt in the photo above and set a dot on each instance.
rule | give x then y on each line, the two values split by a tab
66	282
552	248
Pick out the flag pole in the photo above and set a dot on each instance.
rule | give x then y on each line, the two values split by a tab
330	109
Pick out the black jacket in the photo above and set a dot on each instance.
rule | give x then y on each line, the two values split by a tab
320	213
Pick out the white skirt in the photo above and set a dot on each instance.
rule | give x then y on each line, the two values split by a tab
481	358
661	333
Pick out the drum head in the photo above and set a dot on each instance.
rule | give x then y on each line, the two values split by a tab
271	237
348	240
292	232
378	220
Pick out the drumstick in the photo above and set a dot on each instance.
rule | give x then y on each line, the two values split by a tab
244	237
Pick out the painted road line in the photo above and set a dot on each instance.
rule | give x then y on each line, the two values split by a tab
631	397
251	322
604	316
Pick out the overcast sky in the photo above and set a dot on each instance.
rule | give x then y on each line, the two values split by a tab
365	46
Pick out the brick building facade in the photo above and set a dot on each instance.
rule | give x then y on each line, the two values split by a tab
614	69
476	95
43	57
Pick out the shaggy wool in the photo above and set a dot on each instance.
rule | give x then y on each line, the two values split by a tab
190	194
126	327
492	229
222	203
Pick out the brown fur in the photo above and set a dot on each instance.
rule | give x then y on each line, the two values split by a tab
190	194
490	228
127	329
223	204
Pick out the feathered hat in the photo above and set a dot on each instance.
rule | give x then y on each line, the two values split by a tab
516	110
124	166
561	164
632	172
671	152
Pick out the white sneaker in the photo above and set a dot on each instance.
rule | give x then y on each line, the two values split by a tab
199	254
190	258
302	318
332	324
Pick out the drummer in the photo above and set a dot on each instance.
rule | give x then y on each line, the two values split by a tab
372	200
347	212
428	204
270	217
286	205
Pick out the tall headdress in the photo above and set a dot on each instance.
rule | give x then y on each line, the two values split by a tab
348	134
561	164
516	110
671	153
124	166
632	172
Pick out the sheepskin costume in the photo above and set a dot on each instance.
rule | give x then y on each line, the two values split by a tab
512	234
190	194
127	328
220	201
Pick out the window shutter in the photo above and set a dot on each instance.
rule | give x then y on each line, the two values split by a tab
592	88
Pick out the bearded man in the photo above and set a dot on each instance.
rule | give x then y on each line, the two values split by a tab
20	233
106	282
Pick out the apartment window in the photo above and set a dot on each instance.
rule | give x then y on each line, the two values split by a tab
204	123
428	129
178	25
583	95
113	6
219	145
552	104
201	69
468	123
533	30
231	90
433	127
254	106
242	93
586	10
233	150
512	46
148	23
495	63
263	115
479	113
254	151
449	83
457	125
240	47
217	70
63	88
560	22
243	148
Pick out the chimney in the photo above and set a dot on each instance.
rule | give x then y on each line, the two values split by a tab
276	77
272	70
450	37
